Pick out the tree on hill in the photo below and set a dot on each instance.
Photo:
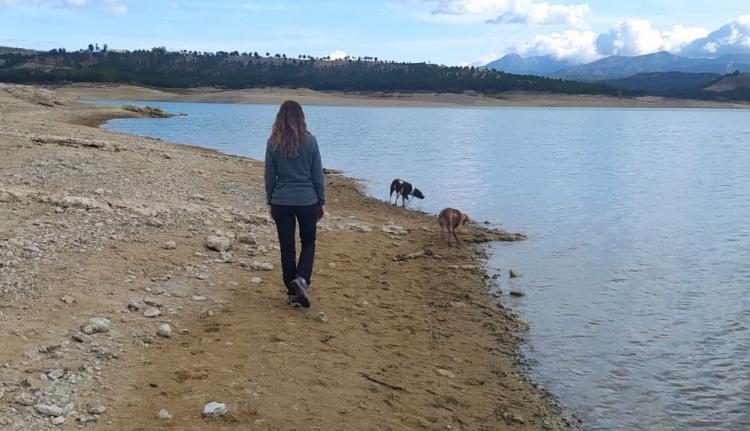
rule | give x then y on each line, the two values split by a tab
162	68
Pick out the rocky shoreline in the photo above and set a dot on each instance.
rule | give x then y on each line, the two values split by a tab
138	286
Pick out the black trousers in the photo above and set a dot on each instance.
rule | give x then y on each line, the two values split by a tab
286	218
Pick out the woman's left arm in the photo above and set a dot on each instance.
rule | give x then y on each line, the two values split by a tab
270	174
318	177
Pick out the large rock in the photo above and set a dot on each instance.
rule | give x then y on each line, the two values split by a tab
261	266
394	229
49	409
164	330
152	312
218	243
215	410
78	202
96	325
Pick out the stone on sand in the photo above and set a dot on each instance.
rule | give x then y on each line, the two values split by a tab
218	243
215	410
49	409
164	330
152	312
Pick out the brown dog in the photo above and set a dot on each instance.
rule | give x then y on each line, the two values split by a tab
450	221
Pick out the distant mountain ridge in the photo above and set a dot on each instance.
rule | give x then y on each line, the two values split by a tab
618	67
540	65
621	67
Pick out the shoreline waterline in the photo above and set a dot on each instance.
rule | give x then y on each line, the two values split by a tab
424	100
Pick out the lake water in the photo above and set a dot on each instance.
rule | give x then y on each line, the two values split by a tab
637	266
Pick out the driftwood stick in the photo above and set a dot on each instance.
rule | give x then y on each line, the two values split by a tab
380	382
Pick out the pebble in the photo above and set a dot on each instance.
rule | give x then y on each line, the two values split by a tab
134	305
81	337
60	420
96	325
225	257
84	419
517	294
215	410
321	317
152	302
97	409
152	312
67	299
169	245
56	374
164	330
514	274
218	243
48	409
164	415
394	229
261	266
445	373
256	280
199	298
25	399
247	238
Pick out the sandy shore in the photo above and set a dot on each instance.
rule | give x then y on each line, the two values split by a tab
114	228
275	96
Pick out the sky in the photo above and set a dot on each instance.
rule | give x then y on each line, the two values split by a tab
451	32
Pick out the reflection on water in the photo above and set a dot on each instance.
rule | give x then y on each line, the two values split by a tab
637	266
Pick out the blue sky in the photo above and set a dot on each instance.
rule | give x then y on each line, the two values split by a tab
440	31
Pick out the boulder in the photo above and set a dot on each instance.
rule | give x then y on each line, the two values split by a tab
96	325
215	410
78	202
218	243
164	330
49	409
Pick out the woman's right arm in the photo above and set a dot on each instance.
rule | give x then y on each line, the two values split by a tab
270	174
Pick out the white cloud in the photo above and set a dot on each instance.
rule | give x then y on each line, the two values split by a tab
542	13
572	45
513	11
731	38
46	3
632	37
485	59
115	7
338	55
462	7
680	36
265	7
638	37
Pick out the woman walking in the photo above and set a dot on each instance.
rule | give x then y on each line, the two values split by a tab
295	192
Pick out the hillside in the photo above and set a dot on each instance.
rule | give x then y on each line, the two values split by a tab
698	86
665	84
161	68
731	82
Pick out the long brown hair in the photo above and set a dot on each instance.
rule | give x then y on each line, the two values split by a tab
289	129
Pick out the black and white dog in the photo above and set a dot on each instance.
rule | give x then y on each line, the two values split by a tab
405	190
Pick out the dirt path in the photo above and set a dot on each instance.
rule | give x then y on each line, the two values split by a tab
95	224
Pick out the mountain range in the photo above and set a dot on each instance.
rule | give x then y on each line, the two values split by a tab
618	67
